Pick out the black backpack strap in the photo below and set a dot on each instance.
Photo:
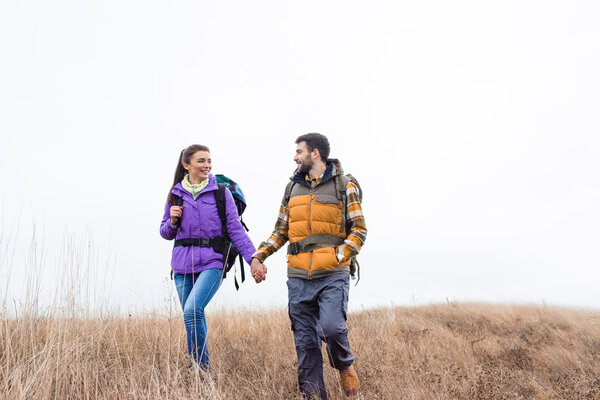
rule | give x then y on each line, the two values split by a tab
242	267
243	274
177	200
244	224
355	270
220	199
221	209
218	243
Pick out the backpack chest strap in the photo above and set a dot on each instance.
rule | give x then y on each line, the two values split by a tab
314	242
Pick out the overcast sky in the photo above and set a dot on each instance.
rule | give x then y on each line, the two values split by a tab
472	127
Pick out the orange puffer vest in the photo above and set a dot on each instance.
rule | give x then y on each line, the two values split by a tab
315	226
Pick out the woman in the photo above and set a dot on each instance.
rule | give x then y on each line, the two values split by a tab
198	270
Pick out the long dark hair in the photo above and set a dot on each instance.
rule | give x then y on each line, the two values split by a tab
184	157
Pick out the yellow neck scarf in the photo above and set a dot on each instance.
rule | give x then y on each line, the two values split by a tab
194	189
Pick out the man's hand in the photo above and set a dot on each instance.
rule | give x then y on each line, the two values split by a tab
259	270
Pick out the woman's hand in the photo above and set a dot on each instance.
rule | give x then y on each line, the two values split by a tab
176	212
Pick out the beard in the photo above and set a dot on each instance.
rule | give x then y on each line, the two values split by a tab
305	166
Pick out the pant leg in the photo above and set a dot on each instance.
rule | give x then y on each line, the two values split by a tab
184	284
304	312
333	310
202	291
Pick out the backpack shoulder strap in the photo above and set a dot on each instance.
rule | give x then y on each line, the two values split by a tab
220	200
341	182
353	180
177	200
288	193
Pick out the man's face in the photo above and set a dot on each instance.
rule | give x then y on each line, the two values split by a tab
303	158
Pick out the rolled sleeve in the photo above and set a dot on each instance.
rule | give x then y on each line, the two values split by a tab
357	234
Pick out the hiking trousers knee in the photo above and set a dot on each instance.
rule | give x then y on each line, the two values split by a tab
195	292
318	309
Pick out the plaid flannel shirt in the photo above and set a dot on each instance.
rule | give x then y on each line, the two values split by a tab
352	244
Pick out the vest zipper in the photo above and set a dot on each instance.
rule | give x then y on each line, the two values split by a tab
309	211
312	191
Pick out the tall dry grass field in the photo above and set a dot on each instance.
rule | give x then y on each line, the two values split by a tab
436	352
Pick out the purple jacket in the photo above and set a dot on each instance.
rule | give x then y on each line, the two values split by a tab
200	219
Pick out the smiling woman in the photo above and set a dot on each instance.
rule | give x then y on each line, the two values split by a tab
199	166
196	161
193	219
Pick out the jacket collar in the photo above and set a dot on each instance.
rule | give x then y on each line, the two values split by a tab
180	191
333	168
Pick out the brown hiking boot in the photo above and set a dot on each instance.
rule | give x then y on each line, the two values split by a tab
349	381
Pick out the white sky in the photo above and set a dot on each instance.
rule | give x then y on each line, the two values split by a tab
472	127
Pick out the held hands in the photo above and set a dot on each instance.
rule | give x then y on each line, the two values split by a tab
176	212
259	270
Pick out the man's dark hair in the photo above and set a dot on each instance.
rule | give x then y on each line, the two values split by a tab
316	141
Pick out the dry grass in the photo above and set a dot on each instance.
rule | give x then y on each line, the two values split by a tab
463	351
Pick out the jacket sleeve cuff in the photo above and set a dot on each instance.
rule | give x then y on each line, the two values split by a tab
340	254
343	253
260	256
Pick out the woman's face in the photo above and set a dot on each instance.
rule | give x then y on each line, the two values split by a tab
199	166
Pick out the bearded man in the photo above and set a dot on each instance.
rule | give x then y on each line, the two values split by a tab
322	218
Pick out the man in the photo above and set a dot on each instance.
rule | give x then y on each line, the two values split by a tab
323	240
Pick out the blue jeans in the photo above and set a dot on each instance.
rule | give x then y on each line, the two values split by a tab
195	291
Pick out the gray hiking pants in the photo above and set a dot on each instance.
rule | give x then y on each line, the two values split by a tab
318	309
